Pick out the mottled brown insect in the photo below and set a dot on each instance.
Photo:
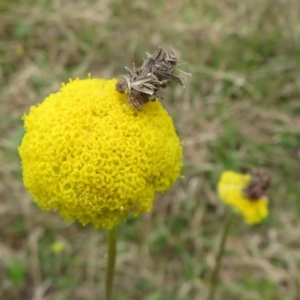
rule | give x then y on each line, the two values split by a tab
142	85
161	64
259	184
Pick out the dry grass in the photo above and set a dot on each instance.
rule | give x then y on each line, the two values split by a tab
240	109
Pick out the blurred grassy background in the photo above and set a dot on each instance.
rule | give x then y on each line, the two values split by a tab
240	110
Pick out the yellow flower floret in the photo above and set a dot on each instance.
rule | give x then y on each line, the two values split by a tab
230	188
88	154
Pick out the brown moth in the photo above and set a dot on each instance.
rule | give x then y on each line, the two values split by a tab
259	184
142	85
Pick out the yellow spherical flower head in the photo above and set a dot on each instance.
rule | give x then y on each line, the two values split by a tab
231	189
88	154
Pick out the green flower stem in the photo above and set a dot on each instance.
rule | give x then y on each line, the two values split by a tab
111	259
215	275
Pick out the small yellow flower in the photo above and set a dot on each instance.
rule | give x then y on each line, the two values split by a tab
88	154
231	190
58	247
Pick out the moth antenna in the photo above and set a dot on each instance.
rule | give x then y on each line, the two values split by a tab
186	73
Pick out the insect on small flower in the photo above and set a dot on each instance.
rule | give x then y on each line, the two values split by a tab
246	193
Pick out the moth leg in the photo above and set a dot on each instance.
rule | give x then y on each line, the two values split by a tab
134	102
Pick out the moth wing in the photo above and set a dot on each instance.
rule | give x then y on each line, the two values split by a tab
143	89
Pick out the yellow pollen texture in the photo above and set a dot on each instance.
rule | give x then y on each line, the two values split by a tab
91	156
230	188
